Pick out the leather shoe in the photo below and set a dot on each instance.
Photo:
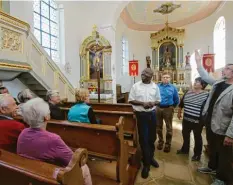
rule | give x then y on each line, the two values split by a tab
181	152
145	172
167	149
160	146
154	163
196	158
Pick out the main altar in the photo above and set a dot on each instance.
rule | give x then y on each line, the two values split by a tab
167	56
167	52
95	65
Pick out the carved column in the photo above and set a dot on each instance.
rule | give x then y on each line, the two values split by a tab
154	58
181	56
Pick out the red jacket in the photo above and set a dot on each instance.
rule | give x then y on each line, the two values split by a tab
9	132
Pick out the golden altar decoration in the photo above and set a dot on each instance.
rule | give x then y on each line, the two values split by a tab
95	54
167	55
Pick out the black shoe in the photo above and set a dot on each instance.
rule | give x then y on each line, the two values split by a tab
167	149
145	172
154	163
196	158
160	146
206	170
181	152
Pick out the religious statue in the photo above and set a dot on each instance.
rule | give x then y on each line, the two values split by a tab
148	61
166	8
96	61
167	57
187	59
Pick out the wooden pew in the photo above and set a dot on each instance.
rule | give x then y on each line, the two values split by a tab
17	170
102	141
123	107
112	117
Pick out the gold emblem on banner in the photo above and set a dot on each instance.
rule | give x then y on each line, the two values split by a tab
133	67
208	62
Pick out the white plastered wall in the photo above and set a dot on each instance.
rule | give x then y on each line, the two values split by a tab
198	35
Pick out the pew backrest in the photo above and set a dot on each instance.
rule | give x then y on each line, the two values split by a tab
15	169
111	118
124	107
99	140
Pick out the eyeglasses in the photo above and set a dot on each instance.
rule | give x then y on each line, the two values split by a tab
228	68
166	77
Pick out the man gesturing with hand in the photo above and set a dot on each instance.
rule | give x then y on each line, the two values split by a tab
144	96
218	116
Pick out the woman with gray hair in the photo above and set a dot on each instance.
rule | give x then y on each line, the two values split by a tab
37	143
23	97
54	101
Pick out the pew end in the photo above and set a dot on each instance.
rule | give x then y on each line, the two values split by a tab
72	174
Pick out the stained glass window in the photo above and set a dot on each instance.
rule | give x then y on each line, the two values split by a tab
220	43
46	26
125	56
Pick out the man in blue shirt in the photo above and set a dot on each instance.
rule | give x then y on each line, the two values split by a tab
165	111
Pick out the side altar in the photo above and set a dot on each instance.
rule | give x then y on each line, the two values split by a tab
167	56
95	67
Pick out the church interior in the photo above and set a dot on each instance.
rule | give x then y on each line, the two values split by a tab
103	46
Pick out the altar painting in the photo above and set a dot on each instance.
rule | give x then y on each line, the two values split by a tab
167	56
95	61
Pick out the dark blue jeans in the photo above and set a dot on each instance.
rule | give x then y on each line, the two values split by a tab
146	123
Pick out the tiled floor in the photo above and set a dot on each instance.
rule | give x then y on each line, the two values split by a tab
176	169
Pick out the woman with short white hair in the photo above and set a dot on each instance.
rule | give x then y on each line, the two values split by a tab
37	143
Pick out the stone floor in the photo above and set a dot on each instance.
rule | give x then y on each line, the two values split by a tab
176	169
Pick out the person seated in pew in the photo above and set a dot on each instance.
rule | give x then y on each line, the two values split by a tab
9	128
23	97
4	90
81	112
54	101
37	143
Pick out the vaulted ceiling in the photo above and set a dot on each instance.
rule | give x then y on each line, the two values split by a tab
139	15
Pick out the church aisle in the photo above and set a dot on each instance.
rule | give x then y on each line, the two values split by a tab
176	169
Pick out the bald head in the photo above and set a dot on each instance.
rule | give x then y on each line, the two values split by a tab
147	75
7	105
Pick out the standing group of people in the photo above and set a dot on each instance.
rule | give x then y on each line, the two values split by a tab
154	103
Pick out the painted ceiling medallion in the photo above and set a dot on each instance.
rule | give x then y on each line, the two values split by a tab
142	16
166	8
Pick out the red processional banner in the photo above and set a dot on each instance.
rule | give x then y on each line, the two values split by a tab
208	62
133	68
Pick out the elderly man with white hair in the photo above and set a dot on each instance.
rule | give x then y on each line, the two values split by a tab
37	143
9	128
54	100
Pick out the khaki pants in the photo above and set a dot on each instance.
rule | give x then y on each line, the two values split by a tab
165	114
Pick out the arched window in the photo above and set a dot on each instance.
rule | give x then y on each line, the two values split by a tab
46	26
125	56
220	43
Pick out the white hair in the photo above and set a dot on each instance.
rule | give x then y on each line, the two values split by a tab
52	93
25	95
34	112
4	100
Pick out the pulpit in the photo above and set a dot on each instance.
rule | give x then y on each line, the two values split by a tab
95	66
